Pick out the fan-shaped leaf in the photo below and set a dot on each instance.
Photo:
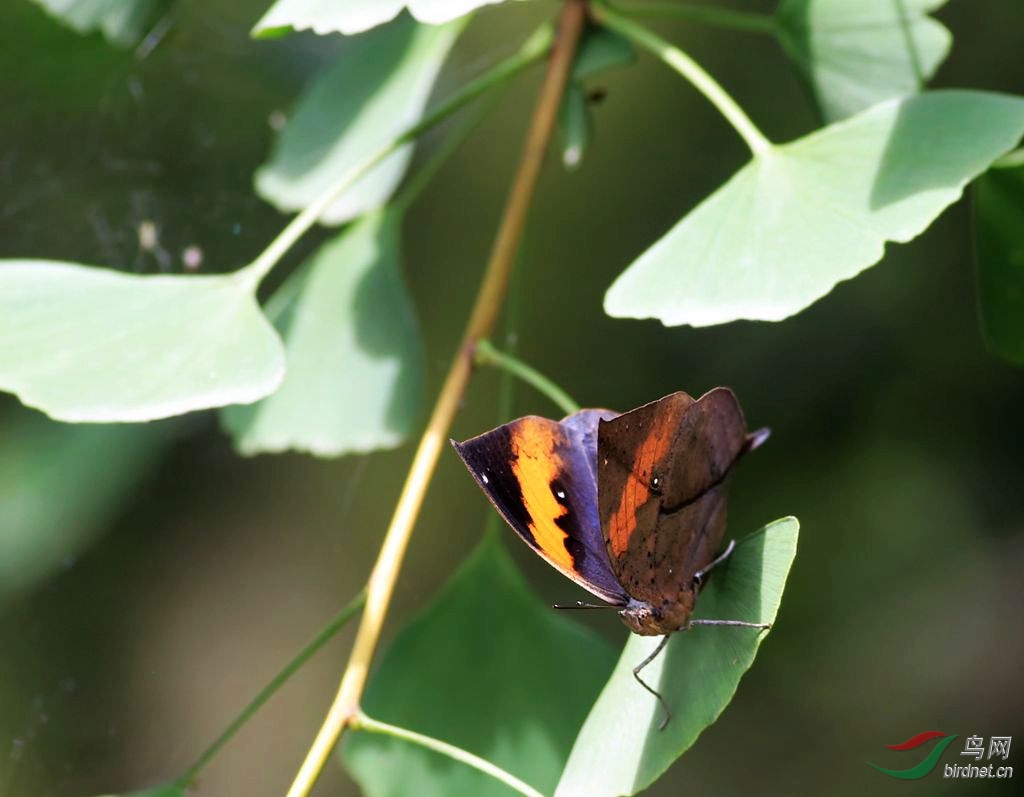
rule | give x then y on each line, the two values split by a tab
857	54
355	16
377	89
620	749
91	344
803	216
40	459
513	691
355	361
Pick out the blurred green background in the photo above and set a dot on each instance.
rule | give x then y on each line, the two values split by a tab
151	581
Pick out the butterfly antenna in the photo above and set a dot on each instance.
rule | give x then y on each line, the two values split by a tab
757	438
636	674
583	605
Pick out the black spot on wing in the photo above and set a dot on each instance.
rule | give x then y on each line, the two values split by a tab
570	524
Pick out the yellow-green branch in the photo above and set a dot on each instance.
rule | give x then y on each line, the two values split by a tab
380	586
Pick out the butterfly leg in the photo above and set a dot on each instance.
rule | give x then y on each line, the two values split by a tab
698	577
636	674
741	623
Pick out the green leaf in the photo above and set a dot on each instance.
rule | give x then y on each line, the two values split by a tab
40	459
91	344
601	49
857	54
355	361
164	790
355	16
803	216
122	22
999	249
490	669
377	89
574	125
620	750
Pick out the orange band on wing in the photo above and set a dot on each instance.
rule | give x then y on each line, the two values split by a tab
535	467
622	523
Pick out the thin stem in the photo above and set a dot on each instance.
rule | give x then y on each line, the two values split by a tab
481	323
363	723
689	69
325	635
747	21
535	48
416	184
486	354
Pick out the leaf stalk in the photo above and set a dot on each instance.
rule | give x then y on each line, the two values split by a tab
487	354
363	723
679	61
535	48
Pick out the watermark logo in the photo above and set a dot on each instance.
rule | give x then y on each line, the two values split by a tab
998	748
925	766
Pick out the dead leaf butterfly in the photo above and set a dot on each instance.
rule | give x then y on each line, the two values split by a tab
631	507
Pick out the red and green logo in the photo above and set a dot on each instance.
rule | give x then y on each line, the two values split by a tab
925	766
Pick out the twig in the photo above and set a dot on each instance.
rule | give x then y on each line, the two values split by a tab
481	322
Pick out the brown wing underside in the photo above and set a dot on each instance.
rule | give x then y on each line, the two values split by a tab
662	472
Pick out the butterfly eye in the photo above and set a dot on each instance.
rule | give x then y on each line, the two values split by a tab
656	483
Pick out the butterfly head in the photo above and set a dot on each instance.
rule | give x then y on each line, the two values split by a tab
649	619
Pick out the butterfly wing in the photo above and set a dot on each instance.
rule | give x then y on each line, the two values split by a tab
541	475
662	473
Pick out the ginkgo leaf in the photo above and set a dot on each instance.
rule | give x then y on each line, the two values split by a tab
513	691
999	247
355	361
40	459
355	16
376	90
803	216
600	49
122	22
857	54
92	344
621	748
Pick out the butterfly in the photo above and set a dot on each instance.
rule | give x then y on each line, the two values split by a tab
630	506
